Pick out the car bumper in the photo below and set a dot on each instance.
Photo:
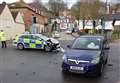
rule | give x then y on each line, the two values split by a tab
84	69
56	47
14	44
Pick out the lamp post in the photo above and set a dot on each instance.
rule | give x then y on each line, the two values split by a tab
66	15
102	19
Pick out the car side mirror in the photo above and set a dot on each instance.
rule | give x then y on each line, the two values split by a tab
69	46
107	48
39	39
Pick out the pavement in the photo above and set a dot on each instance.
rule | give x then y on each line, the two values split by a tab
64	36
36	66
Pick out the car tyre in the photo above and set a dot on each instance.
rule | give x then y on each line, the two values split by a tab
100	71
106	61
47	48
20	46
64	72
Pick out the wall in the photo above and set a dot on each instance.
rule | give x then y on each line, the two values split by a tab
7	23
27	15
20	27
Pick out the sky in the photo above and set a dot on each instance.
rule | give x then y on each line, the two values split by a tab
70	2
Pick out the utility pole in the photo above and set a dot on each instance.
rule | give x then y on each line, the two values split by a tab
106	6
66	15
103	20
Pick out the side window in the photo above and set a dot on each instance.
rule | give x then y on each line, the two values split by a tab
26	36
35	37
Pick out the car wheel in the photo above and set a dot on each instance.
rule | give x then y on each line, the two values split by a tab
47	48
20	46
99	73
65	72
106	61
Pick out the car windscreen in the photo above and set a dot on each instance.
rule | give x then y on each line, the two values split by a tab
43	37
87	43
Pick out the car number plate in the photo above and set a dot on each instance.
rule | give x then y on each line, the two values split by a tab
76	68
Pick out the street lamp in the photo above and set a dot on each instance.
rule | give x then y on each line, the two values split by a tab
66	15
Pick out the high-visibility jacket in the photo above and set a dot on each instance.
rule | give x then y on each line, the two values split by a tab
2	36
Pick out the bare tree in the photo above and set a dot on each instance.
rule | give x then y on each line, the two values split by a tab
87	9
56	5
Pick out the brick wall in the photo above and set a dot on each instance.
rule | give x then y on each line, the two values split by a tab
27	15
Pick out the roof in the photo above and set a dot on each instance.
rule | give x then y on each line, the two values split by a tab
18	5
93	36
116	16
23	5
107	17
14	14
2	6
38	6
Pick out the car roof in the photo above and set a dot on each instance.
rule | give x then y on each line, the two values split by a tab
39	35
93	36
31	34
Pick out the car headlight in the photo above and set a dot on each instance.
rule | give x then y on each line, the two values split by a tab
95	61
64	58
44	42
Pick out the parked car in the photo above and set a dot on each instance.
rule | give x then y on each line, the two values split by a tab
87	55
36	41
56	34
69	31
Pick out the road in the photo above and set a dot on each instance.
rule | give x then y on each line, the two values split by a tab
35	66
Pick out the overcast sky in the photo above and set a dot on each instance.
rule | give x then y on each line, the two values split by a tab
70	2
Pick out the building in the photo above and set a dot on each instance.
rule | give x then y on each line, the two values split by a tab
108	20
19	22
7	22
67	19
116	22
115	9
27	12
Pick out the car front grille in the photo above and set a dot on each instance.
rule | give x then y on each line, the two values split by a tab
77	62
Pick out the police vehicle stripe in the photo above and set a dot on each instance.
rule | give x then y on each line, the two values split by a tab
28	43
32	45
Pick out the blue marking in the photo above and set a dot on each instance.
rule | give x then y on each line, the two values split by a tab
21	40
38	46
32	41
26	45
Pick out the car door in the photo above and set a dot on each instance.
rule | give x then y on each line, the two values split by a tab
25	39
36	42
105	51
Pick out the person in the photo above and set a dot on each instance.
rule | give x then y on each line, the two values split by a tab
73	30
3	39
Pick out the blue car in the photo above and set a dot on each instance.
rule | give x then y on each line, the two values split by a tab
86	55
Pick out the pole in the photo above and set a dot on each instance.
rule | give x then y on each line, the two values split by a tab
106	3
66	15
103	25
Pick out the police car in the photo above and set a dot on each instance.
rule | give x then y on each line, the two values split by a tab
36	41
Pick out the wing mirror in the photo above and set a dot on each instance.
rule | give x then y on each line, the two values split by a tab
69	46
107	48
